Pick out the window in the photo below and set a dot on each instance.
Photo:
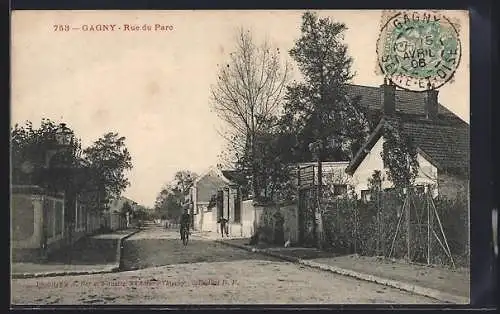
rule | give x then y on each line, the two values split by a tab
237	206
339	189
365	195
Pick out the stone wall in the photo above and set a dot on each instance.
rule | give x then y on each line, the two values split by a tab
38	225
267	223
26	226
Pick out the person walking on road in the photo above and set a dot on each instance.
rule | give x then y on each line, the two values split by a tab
223	226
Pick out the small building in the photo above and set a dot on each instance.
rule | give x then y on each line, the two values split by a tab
116	218
214	196
334	175
440	137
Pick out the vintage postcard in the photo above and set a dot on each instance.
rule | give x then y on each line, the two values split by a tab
240	157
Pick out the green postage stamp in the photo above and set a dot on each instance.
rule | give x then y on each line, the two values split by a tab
418	50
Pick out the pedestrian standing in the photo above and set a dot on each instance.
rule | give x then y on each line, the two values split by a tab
223	226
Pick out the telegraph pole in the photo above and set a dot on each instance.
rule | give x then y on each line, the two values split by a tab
316	148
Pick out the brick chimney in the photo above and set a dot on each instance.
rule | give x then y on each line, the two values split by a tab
389	96
431	103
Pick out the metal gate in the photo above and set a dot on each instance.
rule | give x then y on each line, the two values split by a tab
307	196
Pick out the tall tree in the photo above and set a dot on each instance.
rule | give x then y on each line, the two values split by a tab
31	163
107	160
170	199
272	162
183	181
318	107
249	90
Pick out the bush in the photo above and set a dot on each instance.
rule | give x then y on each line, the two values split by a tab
339	226
371	228
454	216
265	228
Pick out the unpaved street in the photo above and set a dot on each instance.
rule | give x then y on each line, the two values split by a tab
202	273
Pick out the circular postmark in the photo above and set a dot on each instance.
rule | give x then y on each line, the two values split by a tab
418	50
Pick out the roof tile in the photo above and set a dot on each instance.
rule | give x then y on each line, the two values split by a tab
407	102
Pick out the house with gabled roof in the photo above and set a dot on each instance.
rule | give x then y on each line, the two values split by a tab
440	137
215	196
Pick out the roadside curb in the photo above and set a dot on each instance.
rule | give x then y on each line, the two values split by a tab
110	269
119	250
428	292
59	274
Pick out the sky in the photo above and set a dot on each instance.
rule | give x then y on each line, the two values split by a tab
153	87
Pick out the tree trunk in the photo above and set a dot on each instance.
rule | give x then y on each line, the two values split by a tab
253	185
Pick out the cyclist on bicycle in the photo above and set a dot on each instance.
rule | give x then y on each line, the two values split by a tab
185	221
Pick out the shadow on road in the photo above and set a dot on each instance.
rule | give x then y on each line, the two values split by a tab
305	253
86	252
143	253
298	252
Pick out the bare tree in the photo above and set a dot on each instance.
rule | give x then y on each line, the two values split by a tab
248	92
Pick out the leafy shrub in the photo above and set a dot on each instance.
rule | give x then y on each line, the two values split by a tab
371	228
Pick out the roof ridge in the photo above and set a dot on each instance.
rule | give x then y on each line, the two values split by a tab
421	119
215	170
378	88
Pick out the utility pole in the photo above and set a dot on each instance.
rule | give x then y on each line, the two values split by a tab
316	148
408	212
408	224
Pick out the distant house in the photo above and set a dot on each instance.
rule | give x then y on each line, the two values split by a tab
214	196
116	205
115	217
440	137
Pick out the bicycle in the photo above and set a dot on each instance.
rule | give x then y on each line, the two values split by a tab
185	236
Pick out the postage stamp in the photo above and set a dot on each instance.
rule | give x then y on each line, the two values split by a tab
418	50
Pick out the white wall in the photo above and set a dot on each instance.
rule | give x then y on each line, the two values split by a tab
52	236
248	216
209	222
114	221
36	204
245	228
205	220
373	161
